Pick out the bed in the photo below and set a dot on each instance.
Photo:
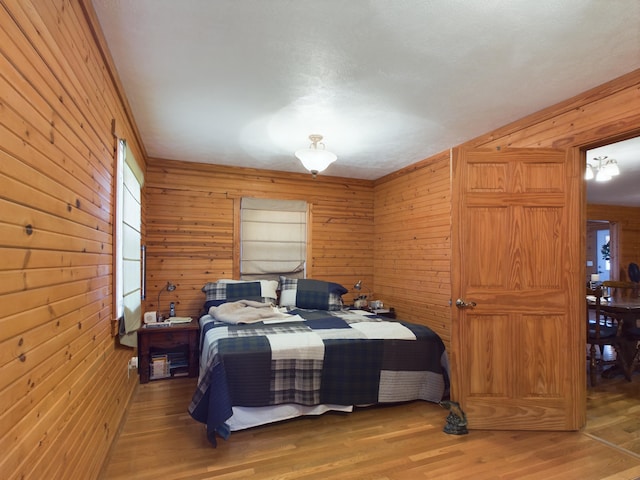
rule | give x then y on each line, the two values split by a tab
309	355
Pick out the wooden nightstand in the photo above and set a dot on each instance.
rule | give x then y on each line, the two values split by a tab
177	342
389	313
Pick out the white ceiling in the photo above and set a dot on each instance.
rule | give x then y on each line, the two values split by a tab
623	189
387	82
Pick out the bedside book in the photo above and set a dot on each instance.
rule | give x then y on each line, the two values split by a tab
174	320
168	323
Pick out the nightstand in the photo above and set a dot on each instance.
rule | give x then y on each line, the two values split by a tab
168	352
386	313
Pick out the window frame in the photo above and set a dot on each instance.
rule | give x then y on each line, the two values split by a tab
238	258
127	262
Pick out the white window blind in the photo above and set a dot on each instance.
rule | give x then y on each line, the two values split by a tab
128	239
273	238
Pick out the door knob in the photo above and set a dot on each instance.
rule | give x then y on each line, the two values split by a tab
462	304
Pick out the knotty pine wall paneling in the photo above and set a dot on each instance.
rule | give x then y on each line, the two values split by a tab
192	226
63	386
64	383
604	114
412	250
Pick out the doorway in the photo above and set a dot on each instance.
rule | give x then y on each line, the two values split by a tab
612	205
603	248
598	251
608	236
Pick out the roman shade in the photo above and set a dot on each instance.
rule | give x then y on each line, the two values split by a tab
128	261
273	238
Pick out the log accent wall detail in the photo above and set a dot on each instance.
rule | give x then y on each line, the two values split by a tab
192	229
64	385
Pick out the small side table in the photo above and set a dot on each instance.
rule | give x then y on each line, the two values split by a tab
181	338
387	313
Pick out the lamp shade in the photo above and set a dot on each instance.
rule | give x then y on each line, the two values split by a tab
313	158
612	168
603	169
603	175
588	174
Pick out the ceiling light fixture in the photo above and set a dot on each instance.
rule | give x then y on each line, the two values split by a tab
603	170
313	158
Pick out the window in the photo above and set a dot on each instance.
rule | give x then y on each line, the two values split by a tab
273	238
127	282
603	242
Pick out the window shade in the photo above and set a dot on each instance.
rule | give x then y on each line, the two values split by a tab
129	278
273	238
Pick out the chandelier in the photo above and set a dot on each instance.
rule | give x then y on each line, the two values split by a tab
602	170
313	158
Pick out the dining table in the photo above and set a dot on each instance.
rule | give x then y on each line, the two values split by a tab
628	311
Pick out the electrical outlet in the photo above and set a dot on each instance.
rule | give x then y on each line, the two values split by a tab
133	363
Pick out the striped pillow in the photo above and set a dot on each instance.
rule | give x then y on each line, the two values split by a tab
310	294
223	291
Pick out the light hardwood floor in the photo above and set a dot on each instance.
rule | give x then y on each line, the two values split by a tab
159	440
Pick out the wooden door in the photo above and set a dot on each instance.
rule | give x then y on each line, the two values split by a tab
518	355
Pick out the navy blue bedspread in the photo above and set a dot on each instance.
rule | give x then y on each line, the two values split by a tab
336	357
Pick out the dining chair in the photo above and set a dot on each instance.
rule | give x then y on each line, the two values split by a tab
629	340
633	335
600	333
634	272
627	345
620	289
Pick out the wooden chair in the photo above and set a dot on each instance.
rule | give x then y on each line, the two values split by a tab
627	346
635	362
621	290
630	334
633	336
600	333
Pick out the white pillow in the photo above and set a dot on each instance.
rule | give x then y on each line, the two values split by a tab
268	287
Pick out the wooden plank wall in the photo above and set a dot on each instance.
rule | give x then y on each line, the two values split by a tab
627	223
605	114
64	383
192	226
64	386
411	224
412	251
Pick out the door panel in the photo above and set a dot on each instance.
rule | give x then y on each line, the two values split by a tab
488	362
516	354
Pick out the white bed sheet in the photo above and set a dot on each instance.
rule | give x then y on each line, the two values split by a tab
248	417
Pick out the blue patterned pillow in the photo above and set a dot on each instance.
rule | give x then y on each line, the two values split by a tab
308	293
223	291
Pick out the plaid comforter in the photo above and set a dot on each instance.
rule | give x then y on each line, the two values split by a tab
319	357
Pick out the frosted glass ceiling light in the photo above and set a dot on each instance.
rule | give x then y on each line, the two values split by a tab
603	170
588	175
603	176
612	167
313	158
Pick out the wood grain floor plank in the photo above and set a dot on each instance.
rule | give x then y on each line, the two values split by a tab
400	442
